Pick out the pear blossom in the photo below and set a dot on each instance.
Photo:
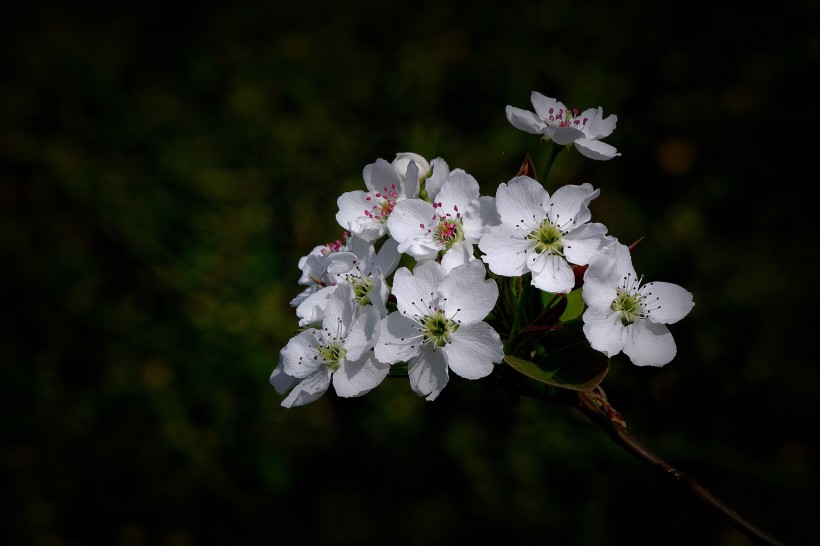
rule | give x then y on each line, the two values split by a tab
360	266
365	213
543	234
439	173
624	314
314	268
450	225
567	126
439	325
338	353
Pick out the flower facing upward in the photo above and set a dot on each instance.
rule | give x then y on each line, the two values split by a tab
567	126
365	213
451	225
338	352
439	325
624	314
542	235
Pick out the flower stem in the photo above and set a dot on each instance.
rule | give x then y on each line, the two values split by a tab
555	149
595	406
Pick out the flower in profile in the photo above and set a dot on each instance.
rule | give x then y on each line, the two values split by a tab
365	213
451	224
439	325
624	314
542	235
314	268
567	126
339	352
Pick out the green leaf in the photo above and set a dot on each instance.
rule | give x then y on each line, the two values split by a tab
575	306
577	367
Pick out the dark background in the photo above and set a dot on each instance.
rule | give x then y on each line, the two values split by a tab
162	170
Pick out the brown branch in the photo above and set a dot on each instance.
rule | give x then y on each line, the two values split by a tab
595	406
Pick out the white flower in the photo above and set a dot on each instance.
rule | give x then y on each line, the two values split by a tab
564	126
452	224
314	268
365	213
339	353
360	266
623	314
542	235
403	160
439	325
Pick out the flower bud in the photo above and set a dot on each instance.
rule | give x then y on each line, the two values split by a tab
403	159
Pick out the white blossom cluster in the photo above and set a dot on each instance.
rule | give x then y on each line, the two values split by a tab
360	314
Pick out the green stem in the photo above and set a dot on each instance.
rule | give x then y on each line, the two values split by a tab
555	149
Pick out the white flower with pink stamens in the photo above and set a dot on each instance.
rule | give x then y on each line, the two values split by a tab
451	224
365	213
567	126
314	268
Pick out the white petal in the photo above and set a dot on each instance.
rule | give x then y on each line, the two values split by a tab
542	105
524	120
339	263
387	258
584	242
355	378
667	303
297	356
416	292
363	333
309	389
473	349
399	339
457	192
551	273
649	344
351	216
380	176
506	249
411	224
441	172
466	295
481	214
599	127
571	202
281	381
565	135
458	254
522	201
339	311
428	372
604	331
312	308
595	149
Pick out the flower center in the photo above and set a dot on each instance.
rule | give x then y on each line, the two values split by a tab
361	287
449	230
333	354
548	238
565	118
437	328
630	305
383	203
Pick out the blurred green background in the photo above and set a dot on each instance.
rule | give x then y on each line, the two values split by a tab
162	170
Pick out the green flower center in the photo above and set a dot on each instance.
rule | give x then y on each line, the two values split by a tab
630	305
548	238
450	231
333	354
361	287
437	328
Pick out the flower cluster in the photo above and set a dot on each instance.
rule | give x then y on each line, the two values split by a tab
492	277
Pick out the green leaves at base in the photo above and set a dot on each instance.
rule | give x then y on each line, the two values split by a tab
576	367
